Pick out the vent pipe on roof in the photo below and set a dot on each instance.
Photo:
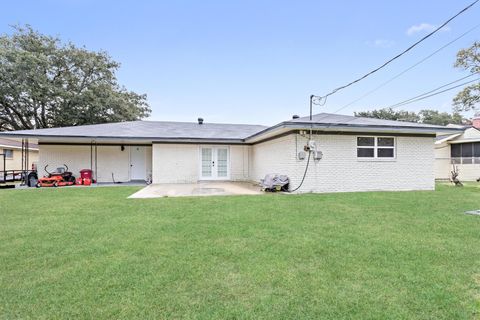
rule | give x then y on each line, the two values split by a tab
295	116
200	120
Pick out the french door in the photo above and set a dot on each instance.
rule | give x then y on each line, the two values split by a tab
214	163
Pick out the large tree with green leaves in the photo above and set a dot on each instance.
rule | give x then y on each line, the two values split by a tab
424	116
469	98
47	83
441	118
389	114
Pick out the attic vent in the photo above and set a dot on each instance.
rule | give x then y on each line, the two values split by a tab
200	120
295	116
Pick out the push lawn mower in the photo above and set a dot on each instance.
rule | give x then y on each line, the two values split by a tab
59	178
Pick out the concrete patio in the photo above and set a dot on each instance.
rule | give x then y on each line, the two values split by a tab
210	188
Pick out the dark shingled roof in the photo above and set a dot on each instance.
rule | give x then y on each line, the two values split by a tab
330	121
342	120
151	130
178	131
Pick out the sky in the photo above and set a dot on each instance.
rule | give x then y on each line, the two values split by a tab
258	61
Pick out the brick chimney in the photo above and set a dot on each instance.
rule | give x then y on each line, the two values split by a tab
476	120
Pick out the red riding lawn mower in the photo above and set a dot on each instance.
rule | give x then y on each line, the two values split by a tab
59	178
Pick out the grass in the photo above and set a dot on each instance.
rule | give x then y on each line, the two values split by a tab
91	253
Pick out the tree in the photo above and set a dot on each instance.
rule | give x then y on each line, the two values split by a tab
424	116
389	114
469	97
46	83
440	118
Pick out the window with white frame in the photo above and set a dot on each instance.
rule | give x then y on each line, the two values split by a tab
376	147
8	153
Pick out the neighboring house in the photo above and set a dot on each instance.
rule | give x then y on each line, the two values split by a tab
12	150
461	150
359	154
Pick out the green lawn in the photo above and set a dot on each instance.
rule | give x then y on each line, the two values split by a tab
91	253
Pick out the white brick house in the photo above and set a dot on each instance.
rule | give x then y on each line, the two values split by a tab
351	153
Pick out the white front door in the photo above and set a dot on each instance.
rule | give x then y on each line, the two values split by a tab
138	169
214	163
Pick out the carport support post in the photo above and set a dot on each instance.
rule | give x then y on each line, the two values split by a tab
22	167
91	155
96	176
4	167
25	161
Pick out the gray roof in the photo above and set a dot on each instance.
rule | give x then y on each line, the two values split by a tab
331	122
152	130
338	119
192	131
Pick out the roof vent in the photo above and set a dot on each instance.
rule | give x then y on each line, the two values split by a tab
200	120
295	116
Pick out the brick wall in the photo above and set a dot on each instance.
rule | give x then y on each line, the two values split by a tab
340	170
180	163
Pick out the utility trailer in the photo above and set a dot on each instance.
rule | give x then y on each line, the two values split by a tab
26	176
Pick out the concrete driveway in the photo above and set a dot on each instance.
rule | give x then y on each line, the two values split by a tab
210	188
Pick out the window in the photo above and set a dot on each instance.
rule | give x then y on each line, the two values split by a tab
456	153
376	147
465	153
476	152
8	153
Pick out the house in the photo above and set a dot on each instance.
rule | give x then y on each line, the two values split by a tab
351	153
12	153
460	150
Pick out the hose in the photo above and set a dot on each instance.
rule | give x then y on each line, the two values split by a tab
304	174
113	179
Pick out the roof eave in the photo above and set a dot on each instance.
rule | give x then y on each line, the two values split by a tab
350	128
149	139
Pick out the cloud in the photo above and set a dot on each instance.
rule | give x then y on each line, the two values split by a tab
381	43
424	27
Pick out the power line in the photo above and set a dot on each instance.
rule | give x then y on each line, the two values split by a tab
437	93
400	54
434	92
430	93
408	69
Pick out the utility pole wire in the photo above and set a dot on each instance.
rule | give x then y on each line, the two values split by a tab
402	53
434	92
408	69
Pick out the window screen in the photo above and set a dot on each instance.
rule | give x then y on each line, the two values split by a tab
365	141
456	150
467	150
476	149
365	152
